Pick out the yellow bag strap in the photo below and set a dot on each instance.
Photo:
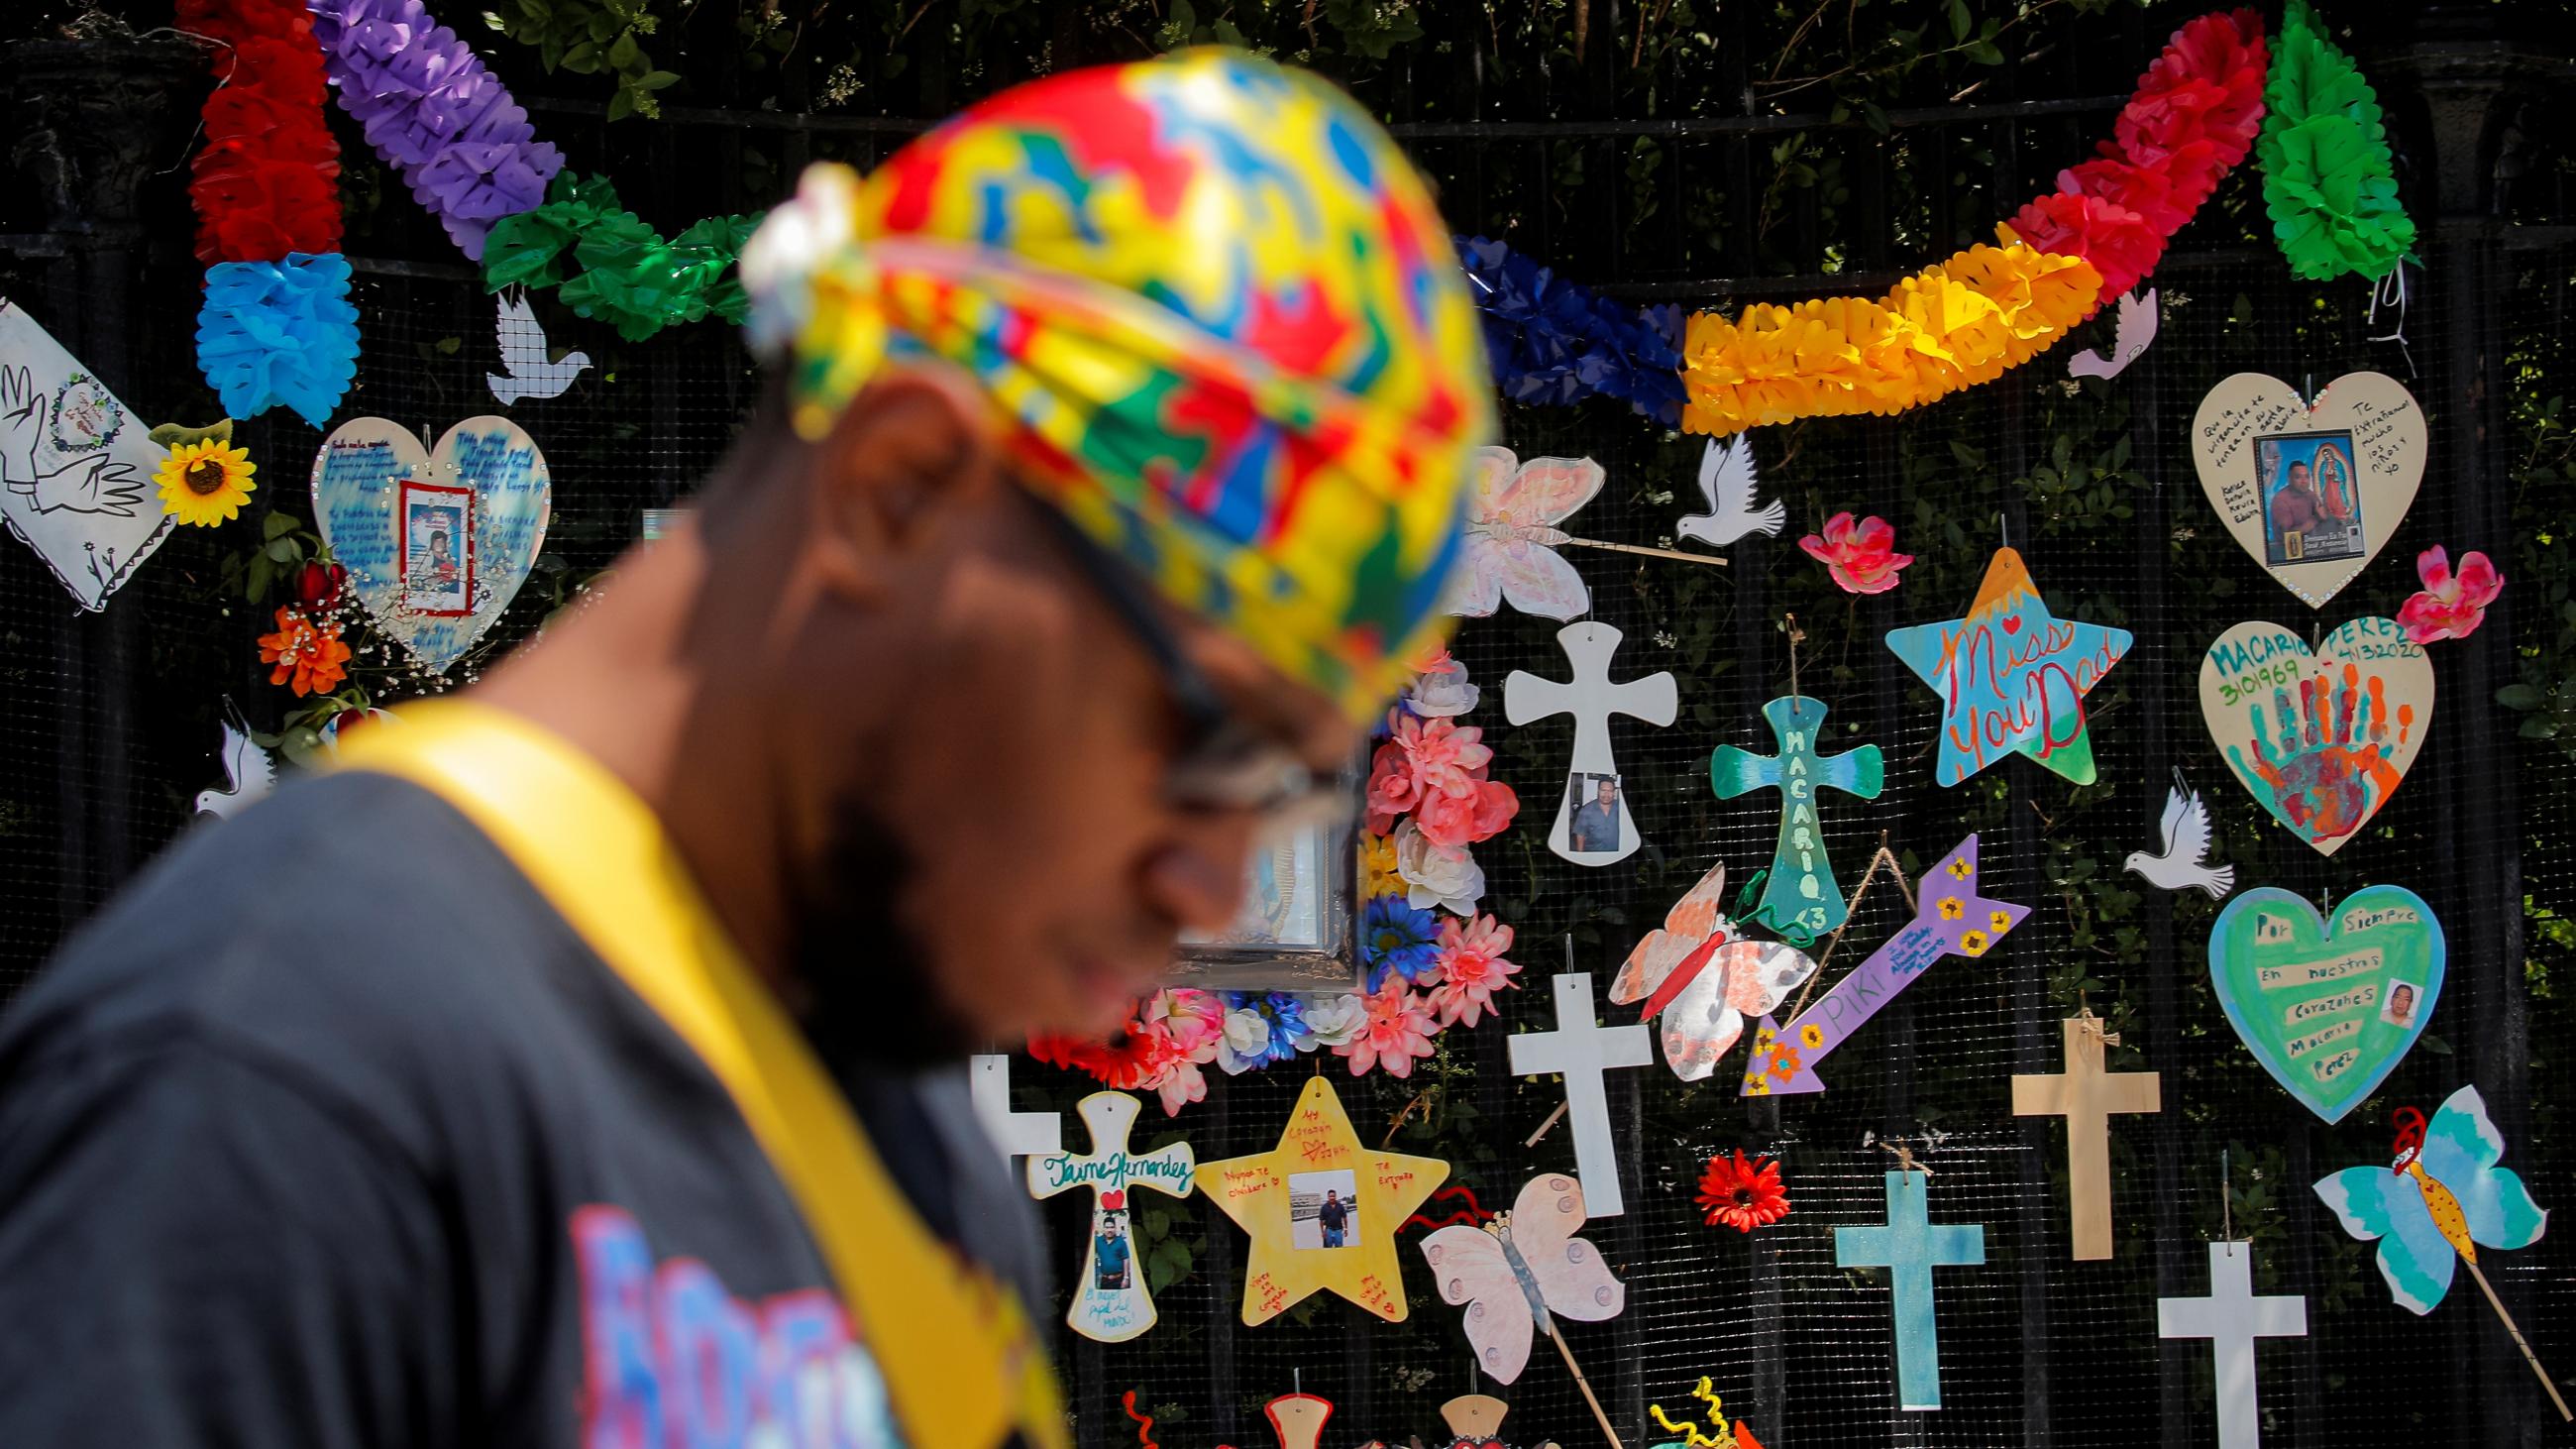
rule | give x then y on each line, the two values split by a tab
954	1345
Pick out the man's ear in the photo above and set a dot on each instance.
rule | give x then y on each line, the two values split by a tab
914	449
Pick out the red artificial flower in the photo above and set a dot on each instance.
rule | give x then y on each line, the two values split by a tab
1743	1194
266	183
1861	556
318	584
2452	606
2117	241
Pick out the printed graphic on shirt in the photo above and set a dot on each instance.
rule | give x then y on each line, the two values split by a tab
674	1361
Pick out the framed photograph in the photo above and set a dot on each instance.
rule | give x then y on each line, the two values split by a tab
2311	501
1297	928
434	538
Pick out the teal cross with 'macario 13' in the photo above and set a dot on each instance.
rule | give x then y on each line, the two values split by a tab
1801	892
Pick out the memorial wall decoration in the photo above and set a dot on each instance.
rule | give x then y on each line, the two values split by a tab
2320	738
2328	1008
2312	489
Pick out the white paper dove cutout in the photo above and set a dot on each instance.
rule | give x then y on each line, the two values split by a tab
1726	478
2129	338
1511	556
249	774
522	340
2186	832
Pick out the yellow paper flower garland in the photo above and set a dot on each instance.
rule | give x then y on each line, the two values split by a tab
1952	325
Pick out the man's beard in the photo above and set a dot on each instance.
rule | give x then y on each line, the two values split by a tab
870	1000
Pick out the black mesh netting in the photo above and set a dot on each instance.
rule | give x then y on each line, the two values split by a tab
109	729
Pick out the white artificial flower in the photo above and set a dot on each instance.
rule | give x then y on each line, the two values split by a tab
1440	875
1333	1021
798	236
1442	691
1247	1036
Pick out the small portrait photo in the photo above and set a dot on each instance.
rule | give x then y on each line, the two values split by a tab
2399	1008
1592	826
1113	1253
437	572
2311	499
1322	1209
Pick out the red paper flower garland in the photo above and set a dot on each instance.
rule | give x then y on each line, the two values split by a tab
2193	116
266	182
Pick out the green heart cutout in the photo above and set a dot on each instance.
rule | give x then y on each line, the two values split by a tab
2313	1001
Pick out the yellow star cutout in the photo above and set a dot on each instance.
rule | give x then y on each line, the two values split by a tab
1278	1197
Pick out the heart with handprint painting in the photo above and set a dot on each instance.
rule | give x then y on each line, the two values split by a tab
2313	489
2321	737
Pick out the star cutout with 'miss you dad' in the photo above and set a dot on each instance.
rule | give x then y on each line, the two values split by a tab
2012	677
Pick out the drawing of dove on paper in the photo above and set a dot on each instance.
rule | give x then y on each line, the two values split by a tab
527	371
1726	481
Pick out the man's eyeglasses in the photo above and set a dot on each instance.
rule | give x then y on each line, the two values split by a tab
1222	763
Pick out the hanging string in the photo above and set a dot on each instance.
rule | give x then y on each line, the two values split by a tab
1883	857
2390	291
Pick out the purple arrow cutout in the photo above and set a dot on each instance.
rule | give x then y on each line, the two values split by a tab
1950	919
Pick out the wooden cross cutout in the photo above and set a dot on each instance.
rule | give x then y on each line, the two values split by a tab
1018	1134
1910	1247
1582	1050
1109	1301
1605	831
2086	1096
2231	1318
1801	890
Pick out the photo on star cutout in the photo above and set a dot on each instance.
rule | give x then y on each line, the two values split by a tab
2311	501
1592	819
1323	1211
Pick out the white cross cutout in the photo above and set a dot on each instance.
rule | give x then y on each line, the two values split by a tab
1018	1134
2231	1318
1591	698
1110	1302
1582	1051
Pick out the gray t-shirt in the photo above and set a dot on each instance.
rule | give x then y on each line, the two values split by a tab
331	1132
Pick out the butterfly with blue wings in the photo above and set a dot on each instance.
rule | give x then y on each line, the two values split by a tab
2442	1199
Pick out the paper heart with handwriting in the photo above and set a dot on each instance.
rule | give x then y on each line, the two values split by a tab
2329	1009
2322	738
2312	490
437	540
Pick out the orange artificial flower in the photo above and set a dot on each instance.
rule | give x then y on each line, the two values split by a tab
1743	1194
309	658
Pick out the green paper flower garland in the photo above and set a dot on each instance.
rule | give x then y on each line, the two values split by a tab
611	266
2327	172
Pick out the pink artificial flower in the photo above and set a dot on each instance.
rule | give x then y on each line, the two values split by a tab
1862	557
1470	969
1443	756
1391	790
1397	1030
1192	1021
2452	606
1182	1084
1457	821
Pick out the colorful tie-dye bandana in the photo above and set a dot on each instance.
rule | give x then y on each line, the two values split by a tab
1219	308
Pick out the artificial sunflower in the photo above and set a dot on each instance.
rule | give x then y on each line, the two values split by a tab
1743	1194
205	483
310	658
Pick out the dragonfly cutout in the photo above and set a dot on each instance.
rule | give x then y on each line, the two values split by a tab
1704	979
2442	1199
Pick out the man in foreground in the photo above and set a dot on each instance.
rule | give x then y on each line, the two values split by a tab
573	1066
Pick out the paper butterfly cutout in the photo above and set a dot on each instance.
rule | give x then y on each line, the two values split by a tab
2441	1200
1704	980
1511	557
1520	1267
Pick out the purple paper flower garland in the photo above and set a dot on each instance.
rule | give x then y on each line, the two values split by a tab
430	108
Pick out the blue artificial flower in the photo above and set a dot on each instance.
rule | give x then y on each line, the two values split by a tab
279	332
1284	1015
1551	341
1399	936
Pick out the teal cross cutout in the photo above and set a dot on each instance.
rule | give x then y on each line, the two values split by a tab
1801	891
1909	1247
